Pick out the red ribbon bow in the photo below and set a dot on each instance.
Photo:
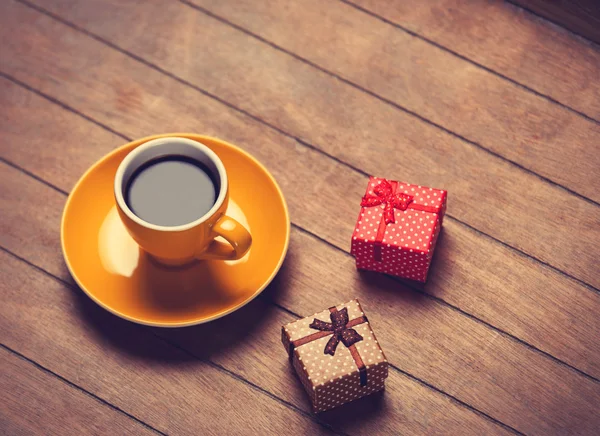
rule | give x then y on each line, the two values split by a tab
384	194
340	329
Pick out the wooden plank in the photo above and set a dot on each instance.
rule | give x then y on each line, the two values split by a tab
407	406
62	330
495	374
35	403
450	92
505	289
579	16
505	39
441	346
273	151
247	344
486	192
480	106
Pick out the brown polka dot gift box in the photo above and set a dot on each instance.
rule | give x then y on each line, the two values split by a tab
397	228
336	355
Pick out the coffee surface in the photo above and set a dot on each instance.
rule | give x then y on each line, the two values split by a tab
171	191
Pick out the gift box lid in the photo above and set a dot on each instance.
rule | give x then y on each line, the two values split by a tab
320	365
403	196
400	214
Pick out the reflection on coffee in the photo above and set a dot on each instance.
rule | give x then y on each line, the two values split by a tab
171	191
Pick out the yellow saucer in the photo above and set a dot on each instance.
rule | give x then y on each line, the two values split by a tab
109	266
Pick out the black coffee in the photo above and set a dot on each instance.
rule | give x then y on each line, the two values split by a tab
171	191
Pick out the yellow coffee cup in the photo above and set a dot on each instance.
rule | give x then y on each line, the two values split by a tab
181	244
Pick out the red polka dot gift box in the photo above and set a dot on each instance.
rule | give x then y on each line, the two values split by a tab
397	228
336	355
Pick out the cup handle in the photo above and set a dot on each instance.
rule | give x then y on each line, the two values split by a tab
238	237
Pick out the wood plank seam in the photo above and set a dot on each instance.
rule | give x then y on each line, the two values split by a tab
390	102
541	17
248	114
548	355
522	253
289	311
513	122
33	176
274	127
61	104
266	123
467	59
405	373
453	398
400	370
208	361
417	379
448	215
116	144
80	389
310	63
472	229
411	286
284	309
313	65
313	417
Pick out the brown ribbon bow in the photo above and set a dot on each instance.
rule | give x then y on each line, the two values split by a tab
341	329
339	320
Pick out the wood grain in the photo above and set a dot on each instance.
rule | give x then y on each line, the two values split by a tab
441	346
503	288
505	39
246	343
485	192
416	406
126	365
436	343
37	403
580	16
406	406
424	79
412	73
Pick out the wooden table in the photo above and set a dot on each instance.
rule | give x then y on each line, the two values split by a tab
481	98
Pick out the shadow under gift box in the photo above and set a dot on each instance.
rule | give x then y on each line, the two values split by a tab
336	355
397	228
